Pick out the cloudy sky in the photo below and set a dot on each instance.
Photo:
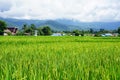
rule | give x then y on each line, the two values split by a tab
82	10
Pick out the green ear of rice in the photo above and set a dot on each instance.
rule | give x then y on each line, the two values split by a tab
59	58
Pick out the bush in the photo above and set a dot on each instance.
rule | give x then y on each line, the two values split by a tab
118	35
97	35
2	27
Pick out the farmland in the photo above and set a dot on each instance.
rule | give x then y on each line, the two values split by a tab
59	58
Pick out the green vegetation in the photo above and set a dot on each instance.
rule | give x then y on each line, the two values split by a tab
47	30
119	30
59	58
2	27
78	33
30	30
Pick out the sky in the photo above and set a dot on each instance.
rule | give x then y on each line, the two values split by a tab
81	10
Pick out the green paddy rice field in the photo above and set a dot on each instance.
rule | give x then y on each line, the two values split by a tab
59	58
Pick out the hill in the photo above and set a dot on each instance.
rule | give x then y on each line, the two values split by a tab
63	24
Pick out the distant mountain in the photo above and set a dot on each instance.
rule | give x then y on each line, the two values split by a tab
63	24
56	25
88	25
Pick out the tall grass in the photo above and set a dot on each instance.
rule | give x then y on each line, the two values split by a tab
59	58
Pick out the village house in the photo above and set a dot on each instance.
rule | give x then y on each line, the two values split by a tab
58	34
106	35
10	31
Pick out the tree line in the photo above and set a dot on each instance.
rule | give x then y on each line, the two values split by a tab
30	30
27	29
46	30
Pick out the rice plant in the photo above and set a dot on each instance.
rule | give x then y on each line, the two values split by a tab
59	58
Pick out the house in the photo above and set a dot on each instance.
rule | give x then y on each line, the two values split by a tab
106	35
115	34
58	34
10	31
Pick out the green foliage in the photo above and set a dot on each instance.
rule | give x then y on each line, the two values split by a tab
91	31
59	58
82	33
97	35
9	33
1	32
24	27
19	33
118	35
102	31
118	30
33	27
29	29
3	26
40	32
76	32
46	30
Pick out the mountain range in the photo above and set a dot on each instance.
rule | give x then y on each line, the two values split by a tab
63	24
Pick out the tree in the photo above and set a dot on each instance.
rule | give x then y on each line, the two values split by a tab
19	33
3	26
47	30
102	30
24	27
29	29
40	32
76	32
82	33
91	30
118	30
33	28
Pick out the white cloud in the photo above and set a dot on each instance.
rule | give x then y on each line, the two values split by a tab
82	10
4	6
